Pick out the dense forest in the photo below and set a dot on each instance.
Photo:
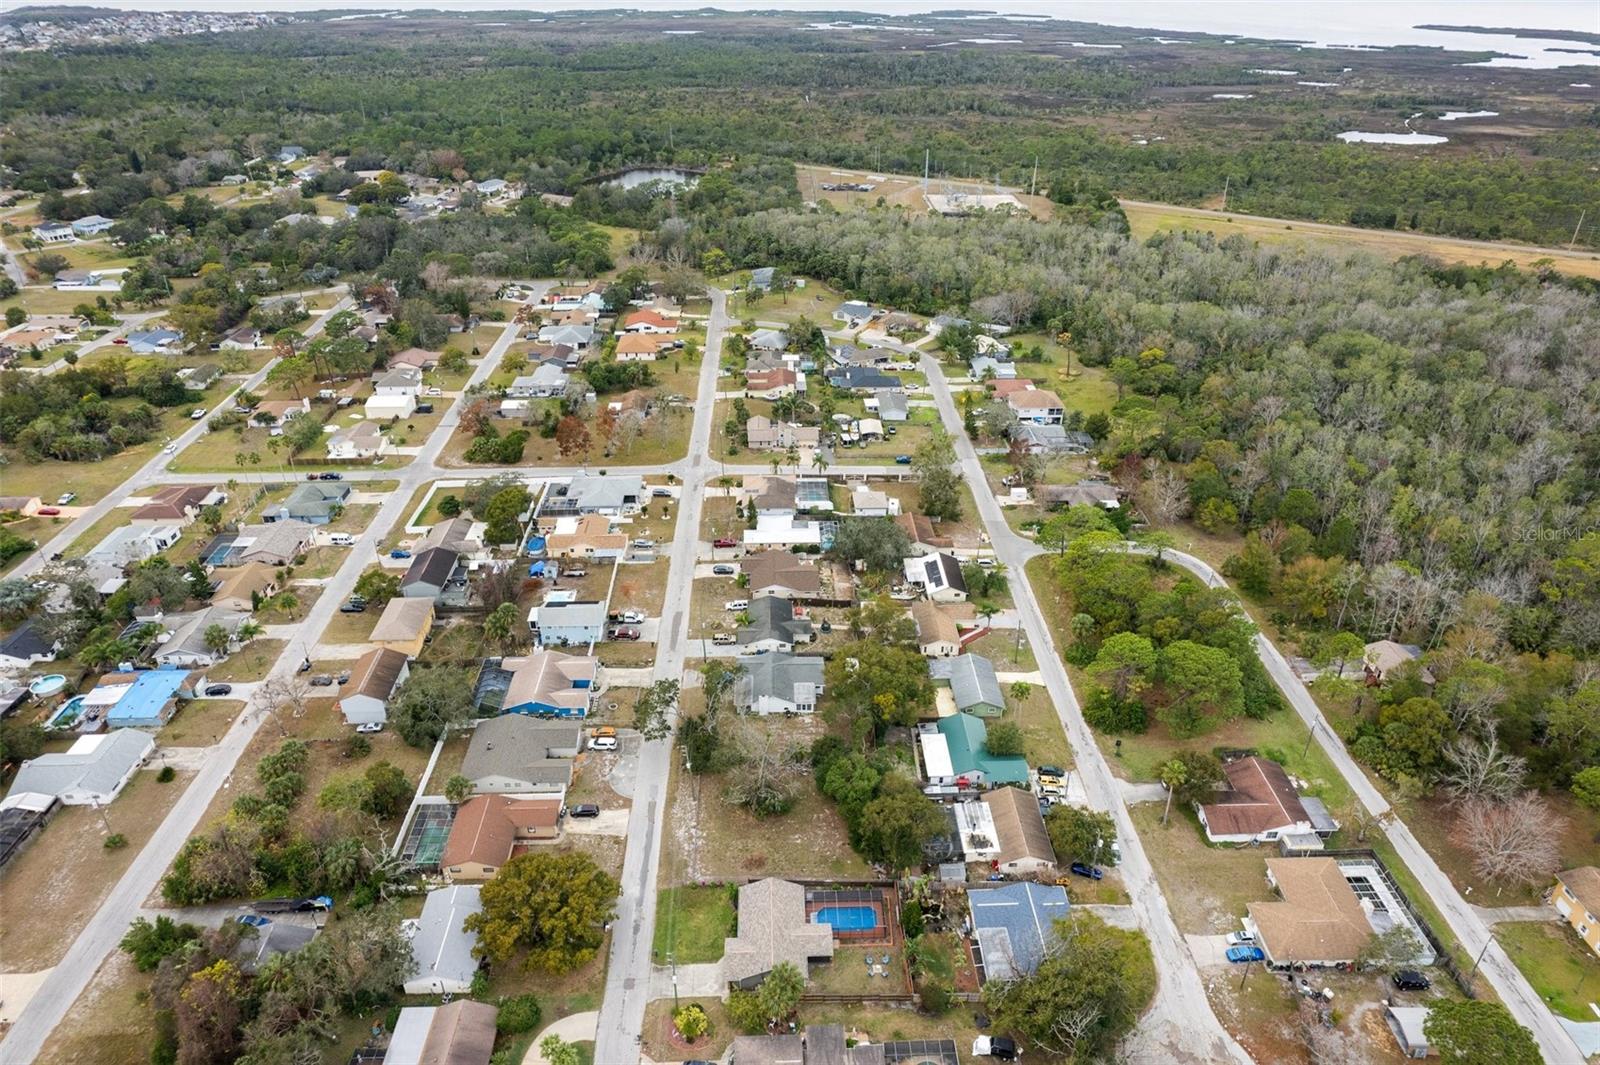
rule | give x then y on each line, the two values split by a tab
557	108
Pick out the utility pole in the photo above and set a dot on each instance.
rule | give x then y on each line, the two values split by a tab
927	156
1033	186
1225	191
1577	227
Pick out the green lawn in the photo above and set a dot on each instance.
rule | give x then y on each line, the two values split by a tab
692	922
1564	972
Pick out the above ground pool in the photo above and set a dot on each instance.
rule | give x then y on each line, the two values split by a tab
847	918
48	684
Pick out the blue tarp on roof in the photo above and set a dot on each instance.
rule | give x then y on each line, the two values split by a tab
147	696
1014	925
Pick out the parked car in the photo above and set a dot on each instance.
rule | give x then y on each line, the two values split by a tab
424	408
217	691
48	512
1241	939
435	392
723	639
902	460
724	570
399	552
603	743
645	545
724	541
120	340
353	608
1410	980
631	617
1051	773
370	726
169	449
312	477
736	604
341	539
196	414
1246	954
605	730
322	680
330	476
1086	870
66	498
584	809
661	493
624	634
576	573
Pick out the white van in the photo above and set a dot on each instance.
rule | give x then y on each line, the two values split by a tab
723	639
736	604
341	540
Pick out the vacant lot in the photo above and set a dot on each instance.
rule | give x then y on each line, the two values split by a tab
111	1024
250	663
200	723
692	922
67	872
1206	886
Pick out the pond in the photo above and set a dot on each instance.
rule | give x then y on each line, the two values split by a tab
632	179
1356	137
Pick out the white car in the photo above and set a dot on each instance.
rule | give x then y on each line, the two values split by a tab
1241	939
65	498
370	726
631	617
169	449
434	392
736	604
196	414
603	743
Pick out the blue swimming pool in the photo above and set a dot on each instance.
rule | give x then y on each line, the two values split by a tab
847	918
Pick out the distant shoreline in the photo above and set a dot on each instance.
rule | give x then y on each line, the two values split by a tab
1512	31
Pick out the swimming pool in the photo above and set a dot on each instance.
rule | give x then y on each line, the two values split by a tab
847	918
67	715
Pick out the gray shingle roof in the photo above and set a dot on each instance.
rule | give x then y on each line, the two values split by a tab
1014	925
972	680
440	949
95	768
772	618
775	676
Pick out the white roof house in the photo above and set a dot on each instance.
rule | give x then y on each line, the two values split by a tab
441	952
93	770
782	530
392	405
127	544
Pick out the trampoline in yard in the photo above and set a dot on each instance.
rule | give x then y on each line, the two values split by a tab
430	828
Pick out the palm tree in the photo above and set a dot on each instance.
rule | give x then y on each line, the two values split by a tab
1020	690
987	611
819	462
247	632
1173	774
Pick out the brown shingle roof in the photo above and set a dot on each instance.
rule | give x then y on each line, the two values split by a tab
780	569
933	624
1259	798
486	828
1019	825
919	527
403	620
462	1033
375	673
1583	884
240	581
1319	918
174	501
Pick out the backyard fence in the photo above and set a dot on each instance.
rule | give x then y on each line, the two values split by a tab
1442	957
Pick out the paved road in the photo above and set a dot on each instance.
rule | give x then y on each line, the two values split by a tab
101	935
1179	1027
1465	921
628	975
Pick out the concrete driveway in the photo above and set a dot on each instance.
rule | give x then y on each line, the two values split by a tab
609	823
1208	950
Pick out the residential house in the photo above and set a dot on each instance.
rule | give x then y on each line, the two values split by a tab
824	1044
900	322
576	337
1318	922
778	684
812	494
1010	386
1409	1026
1037	405
940	322
639	347
769	340
153	341
441	949
127	544
416	358
459	534
404	625
1576	897
763	434
93	771
290	153
53	233
648	320
987	368
188	644
561	622
938	576
27	645
200	377
394	393
588	537
489	829
972	681
361	440
853	312
458	1033
242	588
515	754
965	738
432	572
77	277
177	504
494	188
1015	925
613	496
773	930
993	347
364	699
1084	493
550	684
272	413
1024	842
851	355
1261	805
1051	440
262	942
937	633
770	494
773	384
783	531
148	698
871	503
890	406
773	626
925	539
24	505
278	543
781	574
1382	657
547	381
634	403
313	502
244	338
862	379
761	278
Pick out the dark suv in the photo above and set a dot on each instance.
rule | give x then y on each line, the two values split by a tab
1411	980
